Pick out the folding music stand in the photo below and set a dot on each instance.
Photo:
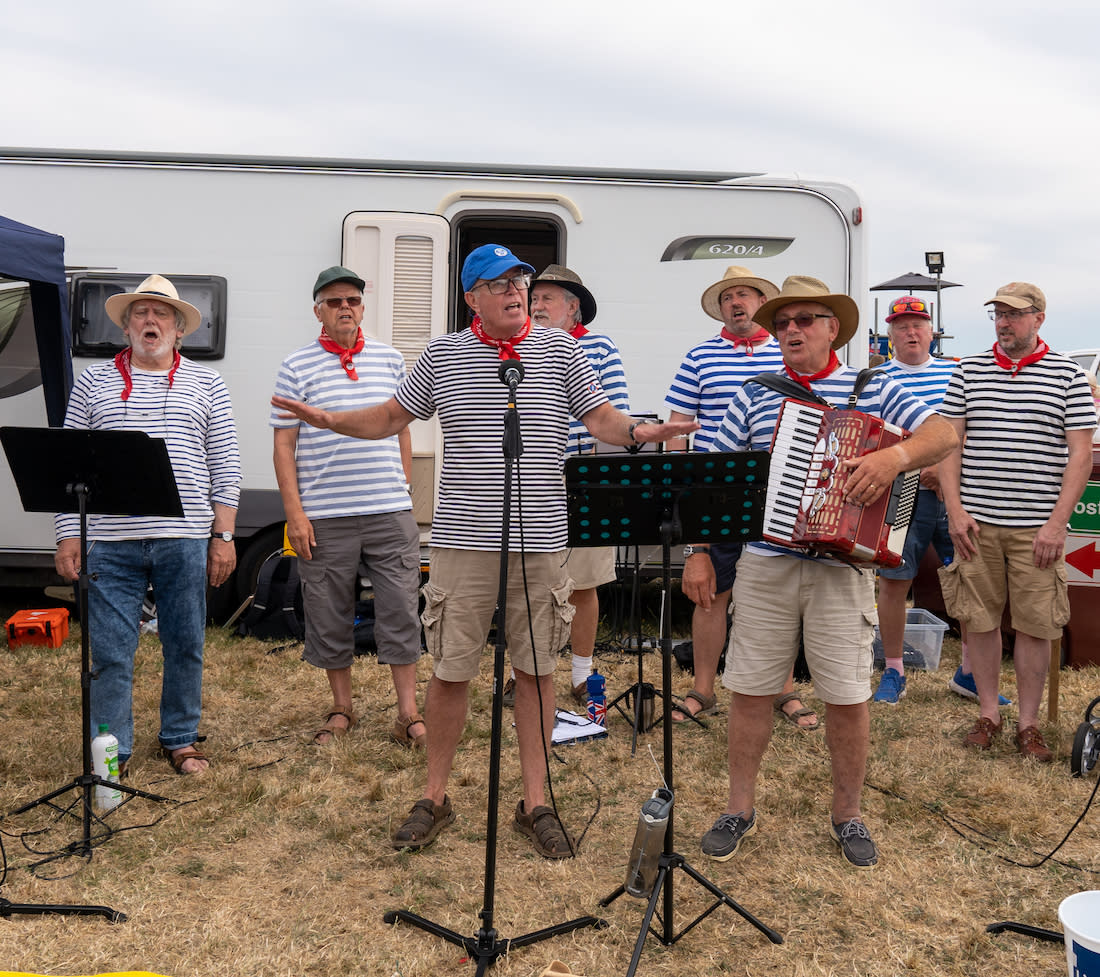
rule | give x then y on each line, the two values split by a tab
714	497
105	472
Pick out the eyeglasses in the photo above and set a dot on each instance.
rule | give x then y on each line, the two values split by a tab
803	320
353	300
1012	315
498	286
913	305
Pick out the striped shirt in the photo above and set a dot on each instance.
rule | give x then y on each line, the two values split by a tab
710	375
750	420
340	475
1015	451
194	417
457	378
603	356
927	382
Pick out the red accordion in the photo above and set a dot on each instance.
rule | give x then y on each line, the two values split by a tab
806	507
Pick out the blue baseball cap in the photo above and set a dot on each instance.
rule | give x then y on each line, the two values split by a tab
489	261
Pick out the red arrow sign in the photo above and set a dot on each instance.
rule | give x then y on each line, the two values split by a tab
1085	559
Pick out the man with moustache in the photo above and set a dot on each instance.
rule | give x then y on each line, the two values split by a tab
559	300
782	594
709	376
347	502
1024	418
457	379
916	369
150	387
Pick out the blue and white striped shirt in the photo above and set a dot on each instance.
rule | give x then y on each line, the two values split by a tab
605	359
750	421
340	475
194	417
710	375
927	382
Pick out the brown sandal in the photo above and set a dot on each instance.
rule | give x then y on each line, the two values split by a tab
794	717
708	706
177	758
545	830
402	737
331	730
425	821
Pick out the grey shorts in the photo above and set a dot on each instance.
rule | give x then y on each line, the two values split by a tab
460	599
389	545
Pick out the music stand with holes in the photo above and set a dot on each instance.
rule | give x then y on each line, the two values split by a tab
69	470
705	497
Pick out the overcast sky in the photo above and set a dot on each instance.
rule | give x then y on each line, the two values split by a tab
967	127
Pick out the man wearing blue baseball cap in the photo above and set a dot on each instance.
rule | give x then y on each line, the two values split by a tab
457	378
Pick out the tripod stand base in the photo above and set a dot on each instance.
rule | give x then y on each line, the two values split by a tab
8	909
485	947
665	865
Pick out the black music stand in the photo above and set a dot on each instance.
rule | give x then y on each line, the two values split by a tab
104	472
713	497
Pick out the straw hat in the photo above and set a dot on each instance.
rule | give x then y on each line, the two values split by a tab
159	288
569	280
735	275
803	288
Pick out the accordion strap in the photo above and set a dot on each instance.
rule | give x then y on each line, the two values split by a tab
787	387
861	381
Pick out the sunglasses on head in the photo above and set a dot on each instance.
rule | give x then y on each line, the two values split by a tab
911	305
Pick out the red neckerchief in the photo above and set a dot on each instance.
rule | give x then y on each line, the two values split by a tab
122	364
1015	366
343	352
746	341
506	347
806	379
578	330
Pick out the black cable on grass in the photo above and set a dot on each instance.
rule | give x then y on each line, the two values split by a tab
954	824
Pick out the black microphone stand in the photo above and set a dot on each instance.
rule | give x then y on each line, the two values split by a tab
485	946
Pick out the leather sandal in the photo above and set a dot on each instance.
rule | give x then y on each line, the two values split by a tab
793	717
545	830
402	737
425	821
333	731
708	706
177	758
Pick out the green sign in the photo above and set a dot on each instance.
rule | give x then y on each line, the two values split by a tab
1086	514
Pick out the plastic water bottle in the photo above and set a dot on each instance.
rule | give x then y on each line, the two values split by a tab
105	765
597	700
649	840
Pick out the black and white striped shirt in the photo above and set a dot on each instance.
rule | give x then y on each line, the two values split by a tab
457	378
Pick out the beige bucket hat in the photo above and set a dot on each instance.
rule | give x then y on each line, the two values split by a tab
735	275
159	288
569	280
803	288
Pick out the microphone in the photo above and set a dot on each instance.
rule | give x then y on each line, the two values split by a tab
510	372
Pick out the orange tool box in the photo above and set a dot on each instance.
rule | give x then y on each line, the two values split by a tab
48	627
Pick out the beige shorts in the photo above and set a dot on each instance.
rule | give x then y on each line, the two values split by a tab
778	599
1003	568
460	599
590	566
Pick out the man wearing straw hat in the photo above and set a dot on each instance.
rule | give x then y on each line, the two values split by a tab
149	387
781	594
560	300
705	383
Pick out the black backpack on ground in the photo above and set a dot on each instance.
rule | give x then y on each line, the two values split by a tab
276	611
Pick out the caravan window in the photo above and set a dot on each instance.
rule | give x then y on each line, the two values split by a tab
19	370
94	334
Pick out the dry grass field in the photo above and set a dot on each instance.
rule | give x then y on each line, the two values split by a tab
276	863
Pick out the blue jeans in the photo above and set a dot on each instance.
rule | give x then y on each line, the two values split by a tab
120	573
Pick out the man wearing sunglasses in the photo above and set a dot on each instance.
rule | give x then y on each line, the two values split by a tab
1024	417
780	594
457	378
916	369
347	502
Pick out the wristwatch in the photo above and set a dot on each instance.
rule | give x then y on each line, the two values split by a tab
227	537
690	550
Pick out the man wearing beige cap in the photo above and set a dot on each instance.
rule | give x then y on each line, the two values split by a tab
148	386
702	389
560	300
1024	418
782	595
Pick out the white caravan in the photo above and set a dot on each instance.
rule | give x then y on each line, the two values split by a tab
244	237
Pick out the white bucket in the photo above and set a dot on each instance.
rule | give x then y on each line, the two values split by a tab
1080	918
